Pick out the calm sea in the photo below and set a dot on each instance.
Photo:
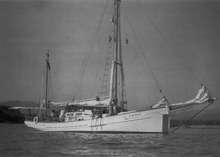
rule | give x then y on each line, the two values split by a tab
16	140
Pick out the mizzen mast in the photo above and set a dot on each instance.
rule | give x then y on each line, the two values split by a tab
47	72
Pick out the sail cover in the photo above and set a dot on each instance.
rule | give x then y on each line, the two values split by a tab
201	97
93	102
161	103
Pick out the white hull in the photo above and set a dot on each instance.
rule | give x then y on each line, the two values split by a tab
149	121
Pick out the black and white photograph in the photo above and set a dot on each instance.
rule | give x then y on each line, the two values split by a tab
109	78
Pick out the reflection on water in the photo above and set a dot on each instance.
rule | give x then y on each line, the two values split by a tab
19	141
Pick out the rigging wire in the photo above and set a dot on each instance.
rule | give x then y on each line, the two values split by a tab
164	39
145	58
41	95
187	67
84	62
193	117
102	89
42	89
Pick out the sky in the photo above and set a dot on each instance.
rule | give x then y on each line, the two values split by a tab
177	40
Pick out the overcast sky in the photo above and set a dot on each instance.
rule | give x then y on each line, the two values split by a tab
180	40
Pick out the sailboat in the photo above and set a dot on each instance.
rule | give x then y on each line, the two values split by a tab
107	114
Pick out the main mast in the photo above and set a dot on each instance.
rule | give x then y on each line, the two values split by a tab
117	65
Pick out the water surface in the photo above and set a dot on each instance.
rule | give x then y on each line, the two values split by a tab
20	141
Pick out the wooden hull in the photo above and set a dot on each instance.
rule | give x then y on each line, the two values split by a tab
149	121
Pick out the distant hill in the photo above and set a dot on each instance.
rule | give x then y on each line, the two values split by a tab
9	115
19	103
175	122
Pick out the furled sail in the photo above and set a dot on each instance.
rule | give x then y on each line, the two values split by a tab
201	97
161	103
94	102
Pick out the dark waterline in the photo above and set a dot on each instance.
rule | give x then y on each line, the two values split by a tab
20	141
